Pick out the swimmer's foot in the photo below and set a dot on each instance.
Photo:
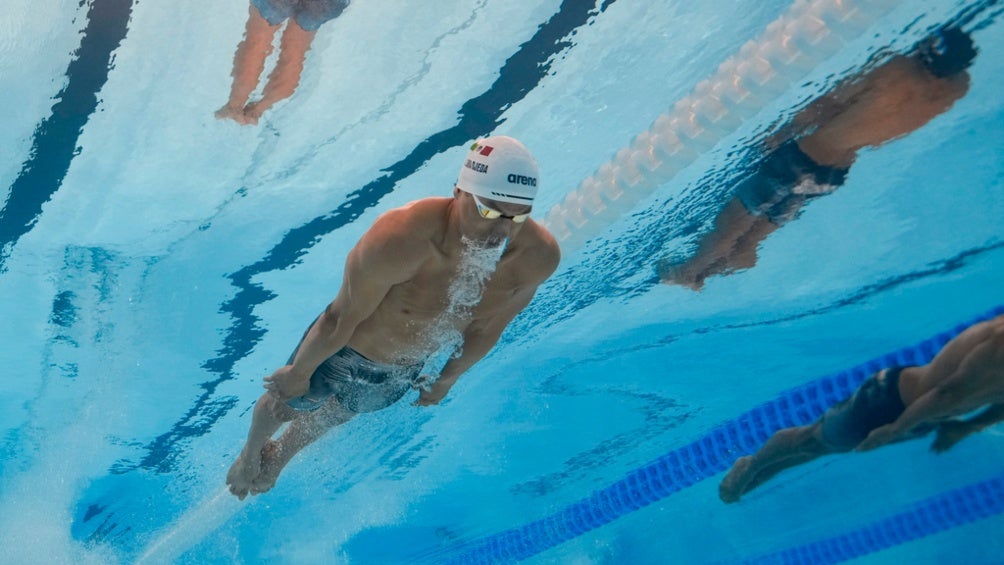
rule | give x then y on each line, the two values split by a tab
272	464
682	274
735	483
229	112
252	113
242	474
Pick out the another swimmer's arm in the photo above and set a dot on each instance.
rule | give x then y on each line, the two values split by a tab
386	256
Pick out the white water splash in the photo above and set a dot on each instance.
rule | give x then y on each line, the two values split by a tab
191	528
478	261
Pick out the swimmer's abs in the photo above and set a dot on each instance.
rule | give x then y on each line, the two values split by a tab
391	352
402	341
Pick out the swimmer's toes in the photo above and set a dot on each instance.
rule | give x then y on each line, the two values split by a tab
250	115
242	473
270	469
241	494
228	112
263	482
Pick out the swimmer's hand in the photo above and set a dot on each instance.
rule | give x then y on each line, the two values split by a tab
286	384
879	437
430	393
950	432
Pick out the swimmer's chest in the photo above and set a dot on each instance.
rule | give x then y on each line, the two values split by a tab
440	286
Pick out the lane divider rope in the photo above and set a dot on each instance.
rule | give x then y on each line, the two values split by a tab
808	33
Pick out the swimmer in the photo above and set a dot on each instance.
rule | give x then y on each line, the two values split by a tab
812	156
305	17
896	404
400	289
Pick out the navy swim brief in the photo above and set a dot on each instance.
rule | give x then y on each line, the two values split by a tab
784	180
309	14
877	402
360	385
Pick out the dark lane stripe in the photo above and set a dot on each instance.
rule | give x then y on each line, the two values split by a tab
55	140
479	116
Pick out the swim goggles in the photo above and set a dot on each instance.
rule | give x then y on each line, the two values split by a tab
493	214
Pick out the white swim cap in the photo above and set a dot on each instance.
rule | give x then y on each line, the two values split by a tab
500	168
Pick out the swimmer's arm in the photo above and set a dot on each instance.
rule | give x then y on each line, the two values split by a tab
482	335
386	256
479	339
951	432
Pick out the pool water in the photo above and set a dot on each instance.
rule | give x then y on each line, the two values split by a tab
158	262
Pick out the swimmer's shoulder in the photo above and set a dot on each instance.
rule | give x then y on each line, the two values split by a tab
419	219
540	248
409	231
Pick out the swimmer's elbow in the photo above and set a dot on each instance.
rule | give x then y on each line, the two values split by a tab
480	339
334	320
331	315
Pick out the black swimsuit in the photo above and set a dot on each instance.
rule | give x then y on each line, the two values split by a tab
784	180
875	403
359	384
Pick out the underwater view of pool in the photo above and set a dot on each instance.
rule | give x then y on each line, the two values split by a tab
175	217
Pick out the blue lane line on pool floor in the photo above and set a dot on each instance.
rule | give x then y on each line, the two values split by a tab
54	144
933	515
692	463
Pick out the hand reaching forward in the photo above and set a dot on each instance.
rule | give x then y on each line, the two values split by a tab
429	395
879	437
950	433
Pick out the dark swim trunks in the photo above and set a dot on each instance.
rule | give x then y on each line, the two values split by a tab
876	403
358	384
309	14
784	181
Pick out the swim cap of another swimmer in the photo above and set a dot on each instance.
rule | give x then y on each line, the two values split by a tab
500	168
947	52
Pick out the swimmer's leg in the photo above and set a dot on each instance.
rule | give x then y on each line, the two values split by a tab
785	449
744	253
249	62
715	247
286	76
304	430
269	414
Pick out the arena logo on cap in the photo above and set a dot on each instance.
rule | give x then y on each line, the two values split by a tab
485	150
520	179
